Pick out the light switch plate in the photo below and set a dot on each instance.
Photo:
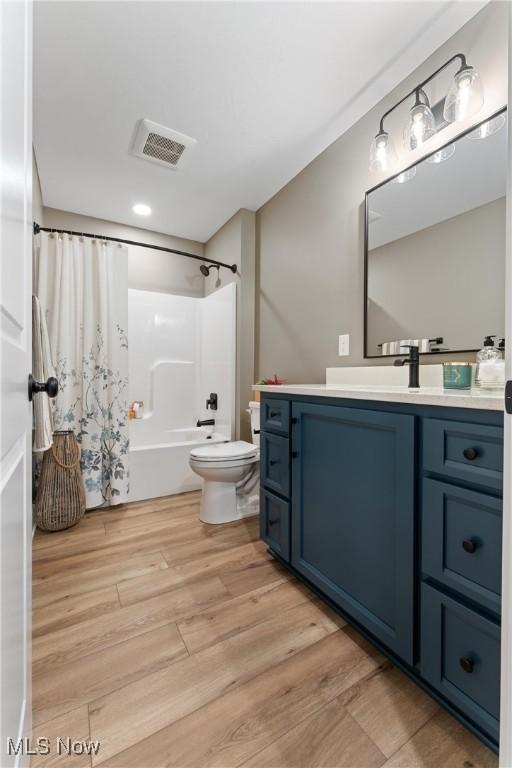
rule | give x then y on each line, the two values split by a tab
344	345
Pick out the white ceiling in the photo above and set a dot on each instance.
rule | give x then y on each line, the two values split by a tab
263	87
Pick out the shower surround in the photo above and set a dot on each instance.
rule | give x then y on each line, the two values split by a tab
181	349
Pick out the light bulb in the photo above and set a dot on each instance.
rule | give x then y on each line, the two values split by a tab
420	126
465	97
382	153
489	127
405	176
442	154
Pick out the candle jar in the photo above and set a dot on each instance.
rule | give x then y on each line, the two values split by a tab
457	375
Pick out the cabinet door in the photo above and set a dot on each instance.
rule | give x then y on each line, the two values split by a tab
275	463
275	523
464	451
460	656
461	541
353	514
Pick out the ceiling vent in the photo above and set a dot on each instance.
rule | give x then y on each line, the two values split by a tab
161	145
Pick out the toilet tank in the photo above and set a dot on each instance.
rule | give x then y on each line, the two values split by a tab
254	410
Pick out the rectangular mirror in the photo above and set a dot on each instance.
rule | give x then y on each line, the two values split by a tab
435	248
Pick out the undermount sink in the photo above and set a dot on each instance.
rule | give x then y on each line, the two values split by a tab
375	387
389	377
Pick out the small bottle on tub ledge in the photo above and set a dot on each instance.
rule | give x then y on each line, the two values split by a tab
136	410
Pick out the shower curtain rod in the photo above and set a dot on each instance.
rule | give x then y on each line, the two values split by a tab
38	228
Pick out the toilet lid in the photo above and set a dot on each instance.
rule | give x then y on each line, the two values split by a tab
222	451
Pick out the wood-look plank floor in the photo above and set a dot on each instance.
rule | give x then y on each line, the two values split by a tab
175	644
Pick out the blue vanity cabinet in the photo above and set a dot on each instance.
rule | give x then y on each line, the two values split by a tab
393	513
352	515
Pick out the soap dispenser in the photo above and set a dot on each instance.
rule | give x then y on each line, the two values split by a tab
490	366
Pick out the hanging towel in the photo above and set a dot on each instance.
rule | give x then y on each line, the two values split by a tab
42	369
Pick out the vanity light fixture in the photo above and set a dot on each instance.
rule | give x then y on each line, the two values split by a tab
382	152
141	209
421	125
488	128
465	98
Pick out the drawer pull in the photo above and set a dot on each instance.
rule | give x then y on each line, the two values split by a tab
273	522
273	462
469	546
470	453
273	414
467	665
294	454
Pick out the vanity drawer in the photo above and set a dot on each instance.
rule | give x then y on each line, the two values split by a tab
461	541
275	415
275	523
460	657
275	463
464	451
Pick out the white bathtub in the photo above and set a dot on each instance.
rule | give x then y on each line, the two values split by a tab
161	469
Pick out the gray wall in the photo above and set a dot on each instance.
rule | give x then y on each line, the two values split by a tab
234	243
310	235
445	280
148	270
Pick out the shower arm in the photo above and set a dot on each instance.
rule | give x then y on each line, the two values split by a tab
38	228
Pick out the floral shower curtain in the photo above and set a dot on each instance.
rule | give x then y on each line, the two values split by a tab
82	284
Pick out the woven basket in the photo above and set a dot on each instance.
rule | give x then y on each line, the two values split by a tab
60	499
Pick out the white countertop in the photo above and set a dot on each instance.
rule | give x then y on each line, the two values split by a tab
454	398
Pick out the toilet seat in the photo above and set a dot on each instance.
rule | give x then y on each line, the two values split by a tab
237	451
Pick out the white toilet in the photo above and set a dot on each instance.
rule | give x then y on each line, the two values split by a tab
230	472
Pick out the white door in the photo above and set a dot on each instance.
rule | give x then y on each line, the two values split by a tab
506	617
15	360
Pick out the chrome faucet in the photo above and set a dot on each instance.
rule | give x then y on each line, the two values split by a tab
413	361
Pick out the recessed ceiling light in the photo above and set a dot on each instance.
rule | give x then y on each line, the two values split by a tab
141	209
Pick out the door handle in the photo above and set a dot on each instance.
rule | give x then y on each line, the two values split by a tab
508	396
51	387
